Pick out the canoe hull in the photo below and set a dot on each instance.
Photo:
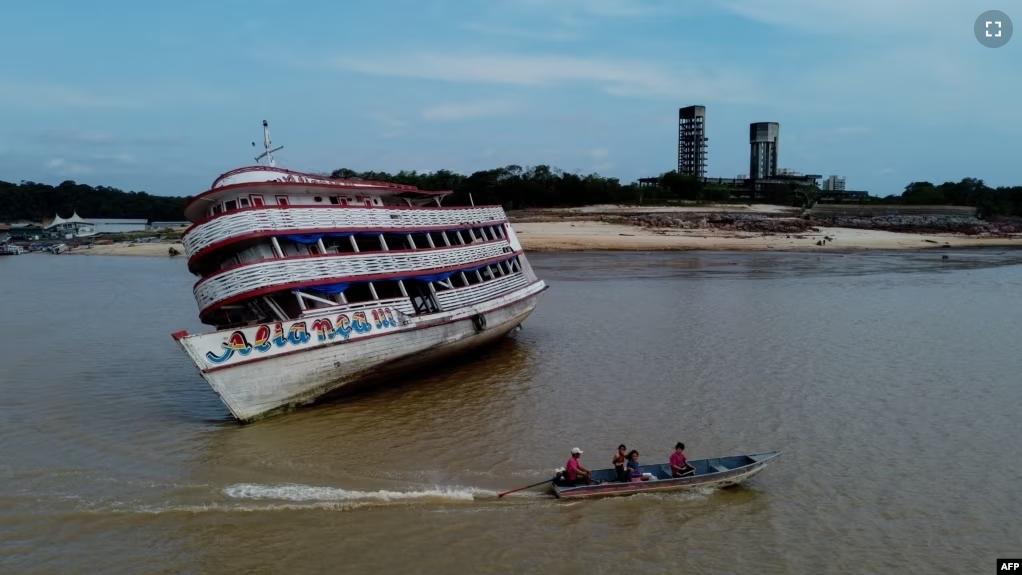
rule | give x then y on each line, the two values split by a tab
706	477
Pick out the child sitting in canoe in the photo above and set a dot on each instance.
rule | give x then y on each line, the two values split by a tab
679	463
633	467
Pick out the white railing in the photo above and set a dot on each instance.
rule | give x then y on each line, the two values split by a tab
402	305
471	295
297	220
282	272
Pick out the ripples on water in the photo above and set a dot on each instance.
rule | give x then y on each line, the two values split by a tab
889	380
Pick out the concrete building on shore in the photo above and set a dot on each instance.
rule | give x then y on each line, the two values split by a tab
169	225
763	140
67	228
118	225
834	184
692	141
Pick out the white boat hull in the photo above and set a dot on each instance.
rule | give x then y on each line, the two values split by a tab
255	387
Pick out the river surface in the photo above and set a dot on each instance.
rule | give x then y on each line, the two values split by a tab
891	381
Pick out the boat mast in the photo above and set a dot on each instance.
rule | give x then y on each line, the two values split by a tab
268	154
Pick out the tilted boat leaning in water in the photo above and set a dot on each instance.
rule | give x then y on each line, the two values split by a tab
315	283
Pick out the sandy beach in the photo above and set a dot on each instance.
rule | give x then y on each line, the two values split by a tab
549	236
125	249
589	235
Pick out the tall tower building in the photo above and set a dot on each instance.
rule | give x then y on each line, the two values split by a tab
692	141
763	157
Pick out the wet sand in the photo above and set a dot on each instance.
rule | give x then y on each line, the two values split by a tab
551	236
154	249
592	235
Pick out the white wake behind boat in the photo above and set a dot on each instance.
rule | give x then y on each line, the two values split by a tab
316	283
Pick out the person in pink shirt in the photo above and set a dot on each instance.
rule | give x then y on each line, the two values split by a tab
679	463
577	475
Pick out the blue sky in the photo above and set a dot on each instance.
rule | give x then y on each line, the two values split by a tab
164	96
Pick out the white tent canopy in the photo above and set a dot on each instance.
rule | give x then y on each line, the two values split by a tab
74	219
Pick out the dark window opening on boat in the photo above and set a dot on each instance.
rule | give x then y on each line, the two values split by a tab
317	199
334	200
357	293
243	202
387	290
230	205
217	209
368	243
338	245
421	297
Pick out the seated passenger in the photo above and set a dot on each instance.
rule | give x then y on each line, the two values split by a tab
620	472
679	463
634	474
577	475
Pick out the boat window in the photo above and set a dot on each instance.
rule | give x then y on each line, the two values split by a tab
317	199
387	289
396	242
230	205
257	201
243	202
368	243
357	293
338	245
282	201
217	209
334	200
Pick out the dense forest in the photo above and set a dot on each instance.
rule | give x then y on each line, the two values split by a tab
36	202
513	187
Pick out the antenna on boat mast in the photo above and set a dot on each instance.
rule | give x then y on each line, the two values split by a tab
268	154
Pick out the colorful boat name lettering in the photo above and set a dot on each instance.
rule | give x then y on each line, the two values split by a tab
323	329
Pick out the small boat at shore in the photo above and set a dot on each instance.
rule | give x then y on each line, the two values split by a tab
715	472
10	250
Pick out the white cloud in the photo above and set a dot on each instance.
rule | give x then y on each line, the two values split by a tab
468	111
600	159
861	16
618	77
851	130
63	167
554	35
103	139
612	8
47	96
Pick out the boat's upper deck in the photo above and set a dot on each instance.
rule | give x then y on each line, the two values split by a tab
256	186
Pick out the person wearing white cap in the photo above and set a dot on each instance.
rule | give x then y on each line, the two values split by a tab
577	475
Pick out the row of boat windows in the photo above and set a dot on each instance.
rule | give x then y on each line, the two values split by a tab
285	305
358	243
258	200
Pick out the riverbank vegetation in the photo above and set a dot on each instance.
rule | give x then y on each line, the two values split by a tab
513	187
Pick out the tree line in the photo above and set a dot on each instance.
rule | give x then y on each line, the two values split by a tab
37	202
512	187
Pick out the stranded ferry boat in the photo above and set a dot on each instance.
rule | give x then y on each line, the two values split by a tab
315	283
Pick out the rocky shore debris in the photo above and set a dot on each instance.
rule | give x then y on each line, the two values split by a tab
770	224
760	223
936	224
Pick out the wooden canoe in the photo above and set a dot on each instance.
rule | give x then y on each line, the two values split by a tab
714	472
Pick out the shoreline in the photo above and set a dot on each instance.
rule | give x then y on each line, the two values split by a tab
566	236
600	236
